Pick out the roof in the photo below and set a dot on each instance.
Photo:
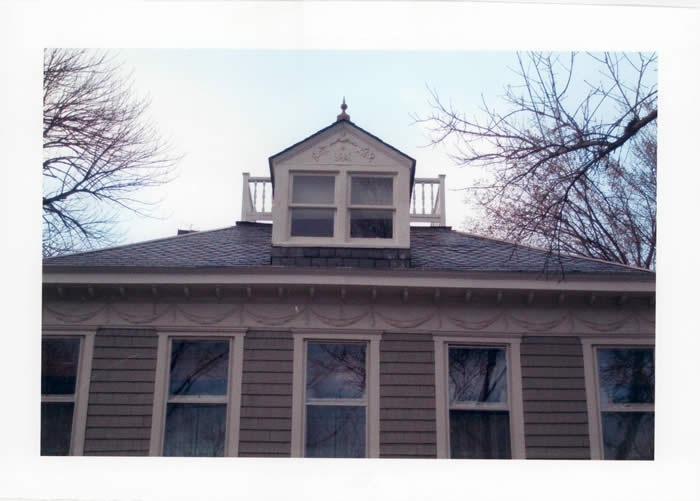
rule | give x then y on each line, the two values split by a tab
249	244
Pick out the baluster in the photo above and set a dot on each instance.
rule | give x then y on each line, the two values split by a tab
263	196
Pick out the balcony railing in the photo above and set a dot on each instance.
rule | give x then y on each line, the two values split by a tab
427	201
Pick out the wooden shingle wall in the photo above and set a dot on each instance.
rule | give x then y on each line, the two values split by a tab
407	396
266	397
120	402
554	398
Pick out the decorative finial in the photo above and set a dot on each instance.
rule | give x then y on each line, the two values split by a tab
343	115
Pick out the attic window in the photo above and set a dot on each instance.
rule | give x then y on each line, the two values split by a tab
371	207
312	209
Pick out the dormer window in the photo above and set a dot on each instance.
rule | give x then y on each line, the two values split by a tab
312	208
341	187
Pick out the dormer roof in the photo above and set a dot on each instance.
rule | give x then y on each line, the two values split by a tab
342	121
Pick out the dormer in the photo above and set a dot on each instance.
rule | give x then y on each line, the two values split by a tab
343	187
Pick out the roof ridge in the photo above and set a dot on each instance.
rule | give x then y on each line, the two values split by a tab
189	234
566	254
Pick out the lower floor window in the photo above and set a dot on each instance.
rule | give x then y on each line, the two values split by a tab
201	387
479	402
336	396
626	393
60	368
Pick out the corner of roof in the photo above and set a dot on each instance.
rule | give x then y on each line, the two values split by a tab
564	254
94	251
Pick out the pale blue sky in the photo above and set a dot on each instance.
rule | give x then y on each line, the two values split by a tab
227	111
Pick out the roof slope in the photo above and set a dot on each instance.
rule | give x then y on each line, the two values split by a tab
249	244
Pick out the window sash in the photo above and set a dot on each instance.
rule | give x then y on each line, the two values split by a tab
472	405
595	406
513	405
231	399
79	396
362	401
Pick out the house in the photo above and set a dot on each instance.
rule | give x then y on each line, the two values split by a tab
341	329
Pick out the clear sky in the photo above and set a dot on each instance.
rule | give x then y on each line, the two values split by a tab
227	111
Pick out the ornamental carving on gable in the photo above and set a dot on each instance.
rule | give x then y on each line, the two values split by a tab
342	150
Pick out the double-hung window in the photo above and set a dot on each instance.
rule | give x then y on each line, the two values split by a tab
198	387
65	368
335	397
622	400
371	207
312	208
479	403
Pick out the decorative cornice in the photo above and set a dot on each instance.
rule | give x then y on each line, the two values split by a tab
369	316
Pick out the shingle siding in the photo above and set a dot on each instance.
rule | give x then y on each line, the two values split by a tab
407	396
554	398
120	402
266	395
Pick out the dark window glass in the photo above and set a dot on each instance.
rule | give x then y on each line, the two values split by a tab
477	375
335	431
479	435
59	365
56	427
335	370
195	430
313	189
371	223
312	222
198	367
371	191
628	435
626	376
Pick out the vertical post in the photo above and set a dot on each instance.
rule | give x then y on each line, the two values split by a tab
441	194
246	203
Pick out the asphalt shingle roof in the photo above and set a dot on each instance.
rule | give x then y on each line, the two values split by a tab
249	244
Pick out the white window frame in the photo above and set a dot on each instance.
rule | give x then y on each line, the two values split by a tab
82	384
299	401
514	405
590	364
232	399
296	205
388	208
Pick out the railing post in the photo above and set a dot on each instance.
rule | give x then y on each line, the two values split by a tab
246	202
441	194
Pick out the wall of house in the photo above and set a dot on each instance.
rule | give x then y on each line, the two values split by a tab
120	402
266	394
121	396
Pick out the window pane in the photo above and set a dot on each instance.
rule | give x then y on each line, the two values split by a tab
479	435
372	191
371	223
56	426
628	435
334	431
195	430
198	367
335	370
626	376
313	189
59	365
478	375
312	222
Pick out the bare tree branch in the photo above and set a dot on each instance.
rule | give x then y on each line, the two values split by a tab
99	150
571	160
